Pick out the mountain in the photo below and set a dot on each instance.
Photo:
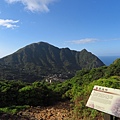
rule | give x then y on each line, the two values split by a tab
38	60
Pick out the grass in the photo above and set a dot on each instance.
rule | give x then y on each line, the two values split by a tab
13	109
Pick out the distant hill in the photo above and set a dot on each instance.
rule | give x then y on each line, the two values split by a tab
38	60
86	76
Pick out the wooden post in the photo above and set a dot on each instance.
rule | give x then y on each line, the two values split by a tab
108	117
117	118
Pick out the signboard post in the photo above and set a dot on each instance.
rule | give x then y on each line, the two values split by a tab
106	100
108	117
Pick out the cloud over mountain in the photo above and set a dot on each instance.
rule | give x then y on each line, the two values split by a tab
84	41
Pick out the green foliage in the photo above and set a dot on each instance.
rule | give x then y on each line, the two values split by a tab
83	83
9	92
76	89
81	96
37	93
13	109
113	69
31	95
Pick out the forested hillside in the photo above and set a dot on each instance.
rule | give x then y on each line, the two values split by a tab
39	60
76	89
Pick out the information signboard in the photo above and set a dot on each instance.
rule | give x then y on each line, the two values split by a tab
105	99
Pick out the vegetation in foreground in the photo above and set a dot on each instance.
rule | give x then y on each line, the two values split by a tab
77	90
13	109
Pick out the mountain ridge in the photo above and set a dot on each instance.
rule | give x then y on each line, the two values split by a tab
43	58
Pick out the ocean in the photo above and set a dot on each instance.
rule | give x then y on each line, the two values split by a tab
107	60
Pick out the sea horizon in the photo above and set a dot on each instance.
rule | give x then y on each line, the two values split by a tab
107	60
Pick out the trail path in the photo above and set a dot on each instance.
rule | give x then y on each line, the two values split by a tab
60	111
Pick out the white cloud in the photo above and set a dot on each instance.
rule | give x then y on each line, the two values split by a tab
34	5
84	41
8	23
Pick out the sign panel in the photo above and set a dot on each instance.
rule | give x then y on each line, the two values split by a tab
105	99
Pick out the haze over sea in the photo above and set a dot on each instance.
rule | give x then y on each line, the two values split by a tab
107	60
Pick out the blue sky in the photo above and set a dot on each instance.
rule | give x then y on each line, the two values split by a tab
77	24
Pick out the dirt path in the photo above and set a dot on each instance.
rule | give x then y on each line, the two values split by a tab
60	111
